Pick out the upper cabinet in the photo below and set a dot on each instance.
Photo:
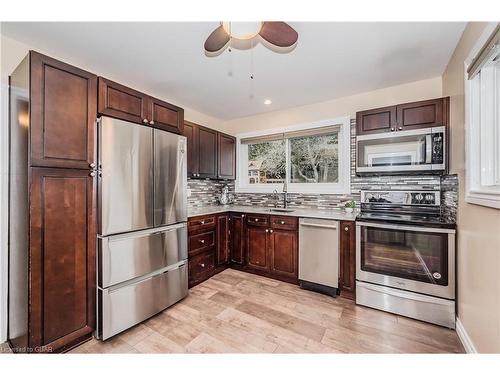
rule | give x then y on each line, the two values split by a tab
116	100
62	114
226	167
210	154
422	114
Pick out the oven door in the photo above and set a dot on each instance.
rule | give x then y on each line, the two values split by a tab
401	151
418	259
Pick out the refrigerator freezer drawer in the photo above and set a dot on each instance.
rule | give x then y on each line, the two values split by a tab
127	256
123	307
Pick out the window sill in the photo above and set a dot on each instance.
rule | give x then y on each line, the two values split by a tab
488	200
297	190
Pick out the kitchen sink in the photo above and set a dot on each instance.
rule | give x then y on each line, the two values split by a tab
280	210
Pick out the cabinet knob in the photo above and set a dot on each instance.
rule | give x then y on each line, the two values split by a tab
282	222
151	122
256	219
145	120
267	230
392	129
202	265
400	128
346	229
202	222
92	174
270	231
242	215
202	241
92	165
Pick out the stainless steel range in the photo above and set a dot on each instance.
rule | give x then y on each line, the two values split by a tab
405	256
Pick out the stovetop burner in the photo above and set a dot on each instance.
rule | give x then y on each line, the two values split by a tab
420	208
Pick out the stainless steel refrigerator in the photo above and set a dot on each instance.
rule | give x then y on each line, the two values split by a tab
142	223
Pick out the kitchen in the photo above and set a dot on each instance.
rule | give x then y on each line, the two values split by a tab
176	216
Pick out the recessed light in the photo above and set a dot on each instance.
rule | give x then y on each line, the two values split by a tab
268	101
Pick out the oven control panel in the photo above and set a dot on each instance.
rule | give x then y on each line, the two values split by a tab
399	197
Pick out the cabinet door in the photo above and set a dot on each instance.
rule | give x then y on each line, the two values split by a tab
237	238
62	256
284	252
257	248
122	102
207	152
422	114
222	239
379	120
190	131
63	114
226	157
347	258
165	116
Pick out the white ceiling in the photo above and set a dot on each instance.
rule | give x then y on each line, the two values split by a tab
331	60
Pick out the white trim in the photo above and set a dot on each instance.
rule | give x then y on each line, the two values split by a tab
344	145
474	192
465	338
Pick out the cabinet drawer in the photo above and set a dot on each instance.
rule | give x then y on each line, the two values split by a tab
258	220
200	265
201	222
201	242
284	222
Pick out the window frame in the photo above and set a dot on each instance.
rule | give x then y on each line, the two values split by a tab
475	191
344	146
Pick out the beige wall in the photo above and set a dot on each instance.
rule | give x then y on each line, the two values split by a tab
348	105
478	227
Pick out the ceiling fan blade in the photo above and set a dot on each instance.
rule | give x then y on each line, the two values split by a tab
217	40
279	33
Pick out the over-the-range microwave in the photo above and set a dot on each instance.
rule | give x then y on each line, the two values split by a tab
420	150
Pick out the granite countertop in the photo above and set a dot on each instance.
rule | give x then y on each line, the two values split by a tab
333	213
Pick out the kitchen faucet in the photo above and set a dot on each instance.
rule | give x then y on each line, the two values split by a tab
285	194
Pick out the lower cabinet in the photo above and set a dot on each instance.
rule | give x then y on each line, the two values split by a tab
237	238
222	239
258	248
347	244
284	251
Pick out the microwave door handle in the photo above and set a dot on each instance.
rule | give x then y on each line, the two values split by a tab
428	149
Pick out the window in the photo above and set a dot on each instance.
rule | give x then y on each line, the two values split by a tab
483	121
311	158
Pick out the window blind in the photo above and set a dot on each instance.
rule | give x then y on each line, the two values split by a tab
489	52
324	130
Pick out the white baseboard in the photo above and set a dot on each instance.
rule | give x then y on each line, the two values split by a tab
464	338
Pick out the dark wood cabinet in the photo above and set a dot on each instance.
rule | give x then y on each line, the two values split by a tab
423	114
377	120
210	154
407	116
124	103
62	253
190	131
165	116
237	238
207	152
284	252
52	201
257	247
116	100
223	233
347	275
226	160
62	114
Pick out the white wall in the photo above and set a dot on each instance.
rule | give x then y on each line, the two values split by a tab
478	232
345	106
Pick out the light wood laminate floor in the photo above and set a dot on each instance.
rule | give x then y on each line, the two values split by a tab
237	312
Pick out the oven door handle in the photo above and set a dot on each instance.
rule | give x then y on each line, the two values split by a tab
405	227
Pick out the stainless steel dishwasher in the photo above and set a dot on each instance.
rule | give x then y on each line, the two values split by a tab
319	255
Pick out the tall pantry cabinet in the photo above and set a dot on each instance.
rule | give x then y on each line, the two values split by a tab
52	201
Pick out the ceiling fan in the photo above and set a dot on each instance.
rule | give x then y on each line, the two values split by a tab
279	36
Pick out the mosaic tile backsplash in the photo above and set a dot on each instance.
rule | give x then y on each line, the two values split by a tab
204	192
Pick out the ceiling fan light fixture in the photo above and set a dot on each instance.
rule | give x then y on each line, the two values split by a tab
242	30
